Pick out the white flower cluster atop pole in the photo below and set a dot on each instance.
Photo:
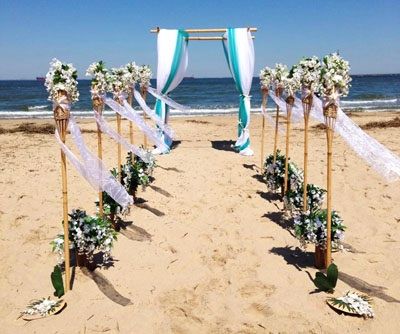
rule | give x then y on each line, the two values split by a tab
133	71
267	76
291	82
334	76
281	72
62	77
120	81
144	76
100	78
309	70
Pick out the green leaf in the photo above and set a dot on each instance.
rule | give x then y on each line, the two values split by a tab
322	282
332	273
57	280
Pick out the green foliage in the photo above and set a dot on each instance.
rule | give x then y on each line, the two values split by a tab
57	281
327	283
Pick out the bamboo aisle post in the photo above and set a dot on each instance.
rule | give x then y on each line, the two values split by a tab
289	106
143	93
117	99
264	91
330	114
307	104
98	106
61	117
278	93
130	101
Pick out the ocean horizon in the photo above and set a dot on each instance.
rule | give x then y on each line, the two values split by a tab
204	96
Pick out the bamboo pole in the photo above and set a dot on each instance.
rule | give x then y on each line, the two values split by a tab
130	101
264	91
98	105
289	106
330	114
143	93
119	146
278	93
156	30
61	117
307	104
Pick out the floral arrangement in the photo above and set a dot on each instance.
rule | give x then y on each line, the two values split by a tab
144	76
136	172
353	302
62	77
133	71
310	227
87	234
280	73
41	307
267	76
274	173
309	70
119	81
294	197
100	78
291	82
334	76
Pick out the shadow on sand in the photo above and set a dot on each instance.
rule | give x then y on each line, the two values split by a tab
223	145
142	203
294	256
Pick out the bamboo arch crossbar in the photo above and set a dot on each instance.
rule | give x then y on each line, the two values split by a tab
205	38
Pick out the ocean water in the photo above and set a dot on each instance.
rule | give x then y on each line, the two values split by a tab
28	98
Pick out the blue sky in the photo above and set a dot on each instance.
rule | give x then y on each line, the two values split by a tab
367	32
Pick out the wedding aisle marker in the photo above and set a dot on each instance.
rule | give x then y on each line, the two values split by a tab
61	83
291	84
335	82
99	84
172	54
144	76
308	70
266	77
133	70
239	53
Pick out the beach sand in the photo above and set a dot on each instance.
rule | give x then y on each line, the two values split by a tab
209	250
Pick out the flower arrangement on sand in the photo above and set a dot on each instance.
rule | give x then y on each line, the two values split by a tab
294	197
274	172
136	172
42	307
310	227
353	303
62	77
87	234
100	78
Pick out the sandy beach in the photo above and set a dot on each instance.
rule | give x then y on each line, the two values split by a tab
207	249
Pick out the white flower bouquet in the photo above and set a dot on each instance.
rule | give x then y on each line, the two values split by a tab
62	77
291	82
334	76
87	234
294	197
133	71
144	74
100	78
267	76
353	303
310	227
119	81
308	70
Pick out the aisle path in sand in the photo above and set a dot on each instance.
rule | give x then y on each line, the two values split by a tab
220	259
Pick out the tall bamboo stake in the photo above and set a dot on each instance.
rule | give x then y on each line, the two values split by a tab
61	117
307	104
278	93
330	114
289	106
98	105
130	100
119	144
264	91
143	93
